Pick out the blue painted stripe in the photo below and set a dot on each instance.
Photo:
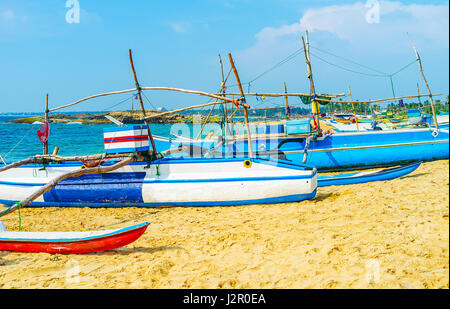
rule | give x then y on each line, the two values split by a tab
271	200
230	179
125	128
268	161
114	233
123	150
113	187
205	180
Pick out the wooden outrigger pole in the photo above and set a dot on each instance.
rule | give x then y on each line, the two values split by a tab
242	100
138	89
314	102
92	170
419	62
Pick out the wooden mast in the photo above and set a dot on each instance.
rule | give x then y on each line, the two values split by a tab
418	93
286	101
138	89
222	92
242	99
353	106
314	104
45	150
419	62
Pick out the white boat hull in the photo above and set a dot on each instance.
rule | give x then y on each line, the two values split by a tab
176	182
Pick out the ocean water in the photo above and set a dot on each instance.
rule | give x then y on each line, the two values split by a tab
20	141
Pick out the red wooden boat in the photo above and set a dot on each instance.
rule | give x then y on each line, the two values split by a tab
70	242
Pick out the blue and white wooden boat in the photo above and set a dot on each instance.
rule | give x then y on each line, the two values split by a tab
165	182
414	116
364	177
332	151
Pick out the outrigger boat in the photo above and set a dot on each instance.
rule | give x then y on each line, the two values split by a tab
69	242
165	182
331	151
129	173
300	142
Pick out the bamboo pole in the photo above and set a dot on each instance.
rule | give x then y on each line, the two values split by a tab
92	97
314	104
269	108
419	62
16	164
45	149
250	146
202	93
185	109
3	160
38	159
285	94
353	106
379	100
418	94
138	88
222	93
206	121
76	173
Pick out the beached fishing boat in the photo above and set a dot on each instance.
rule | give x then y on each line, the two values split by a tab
370	176
164	182
334	151
69	242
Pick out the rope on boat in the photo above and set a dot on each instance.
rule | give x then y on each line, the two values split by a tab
19	142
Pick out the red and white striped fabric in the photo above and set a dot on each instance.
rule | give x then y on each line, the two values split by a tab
126	139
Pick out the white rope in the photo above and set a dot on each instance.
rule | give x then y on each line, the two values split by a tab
19	142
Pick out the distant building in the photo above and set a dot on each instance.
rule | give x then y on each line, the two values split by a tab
161	109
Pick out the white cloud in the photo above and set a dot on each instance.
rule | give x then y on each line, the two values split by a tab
7	15
179	27
427	23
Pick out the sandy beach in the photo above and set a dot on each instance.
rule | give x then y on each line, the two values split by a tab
391	234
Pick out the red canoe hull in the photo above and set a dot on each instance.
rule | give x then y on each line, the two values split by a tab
74	247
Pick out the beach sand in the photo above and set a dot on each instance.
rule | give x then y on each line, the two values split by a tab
391	234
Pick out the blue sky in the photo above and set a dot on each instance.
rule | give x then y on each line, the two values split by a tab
176	43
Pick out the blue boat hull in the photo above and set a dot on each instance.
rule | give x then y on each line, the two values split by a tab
356	178
342	150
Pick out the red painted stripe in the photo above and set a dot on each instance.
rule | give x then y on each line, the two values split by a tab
73	247
115	142
126	140
125	137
